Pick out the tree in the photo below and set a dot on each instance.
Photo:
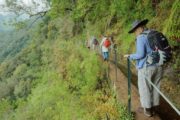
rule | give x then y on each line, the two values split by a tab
29	7
25	9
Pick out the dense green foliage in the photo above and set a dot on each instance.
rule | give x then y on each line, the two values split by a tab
13	41
53	81
10	47
47	73
81	93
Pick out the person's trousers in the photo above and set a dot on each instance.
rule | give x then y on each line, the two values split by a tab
149	97
106	55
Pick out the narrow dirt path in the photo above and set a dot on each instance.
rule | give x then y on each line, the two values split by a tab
121	89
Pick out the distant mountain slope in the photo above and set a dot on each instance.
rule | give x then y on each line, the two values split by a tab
13	41
3	20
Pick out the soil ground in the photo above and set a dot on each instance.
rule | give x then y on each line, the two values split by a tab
121	88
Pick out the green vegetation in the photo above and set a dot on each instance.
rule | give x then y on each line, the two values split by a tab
47	73
54	81
82	93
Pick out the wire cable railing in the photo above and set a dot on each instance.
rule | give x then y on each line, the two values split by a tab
129	90
129	64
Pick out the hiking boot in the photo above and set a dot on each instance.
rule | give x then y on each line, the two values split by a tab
154	110
147	112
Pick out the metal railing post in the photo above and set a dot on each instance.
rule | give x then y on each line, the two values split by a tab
129	85
115	58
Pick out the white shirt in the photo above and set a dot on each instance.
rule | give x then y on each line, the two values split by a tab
104	49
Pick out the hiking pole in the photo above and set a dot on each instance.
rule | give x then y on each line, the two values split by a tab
129	85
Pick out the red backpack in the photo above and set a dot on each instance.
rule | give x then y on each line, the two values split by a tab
107	43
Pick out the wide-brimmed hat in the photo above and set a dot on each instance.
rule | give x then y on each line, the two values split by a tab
138	23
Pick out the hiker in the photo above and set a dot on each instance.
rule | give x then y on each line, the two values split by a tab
94	43
149	97
105	46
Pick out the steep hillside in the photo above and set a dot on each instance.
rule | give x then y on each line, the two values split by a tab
48	73
48	79
114	18
15	39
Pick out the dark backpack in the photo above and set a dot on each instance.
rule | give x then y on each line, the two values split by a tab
95	41
161	50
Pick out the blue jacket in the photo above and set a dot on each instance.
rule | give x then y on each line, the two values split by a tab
142	49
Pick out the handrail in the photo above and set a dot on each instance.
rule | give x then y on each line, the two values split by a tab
166	99
129	85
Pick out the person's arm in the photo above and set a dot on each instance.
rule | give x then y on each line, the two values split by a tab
140	49
102	42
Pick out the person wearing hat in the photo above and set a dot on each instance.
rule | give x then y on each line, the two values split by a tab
149	97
